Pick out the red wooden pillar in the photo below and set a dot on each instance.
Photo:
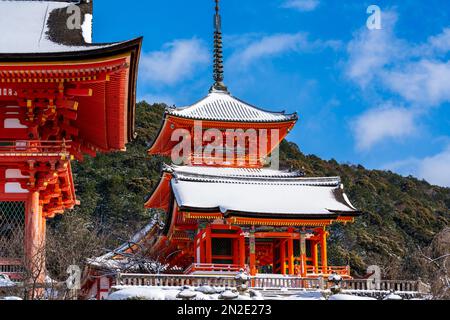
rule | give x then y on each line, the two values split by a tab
235	243
35	229
242	251
275	251
303	254
324	251
208	244
252	252
198	248
202	256
315	256
283	256
290	243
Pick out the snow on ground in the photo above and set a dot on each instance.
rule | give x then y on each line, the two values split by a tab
157	293
5	282
212	293
173	293
11	299
347	297
394	297
144	293
305	295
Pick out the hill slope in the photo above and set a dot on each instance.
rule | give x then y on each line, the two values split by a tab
402	214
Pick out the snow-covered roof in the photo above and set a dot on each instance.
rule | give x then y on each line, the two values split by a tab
33	26
266	193
120	260
222	106
196	171
137	238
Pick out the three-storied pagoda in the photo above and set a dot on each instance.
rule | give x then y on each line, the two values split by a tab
222	215
61	96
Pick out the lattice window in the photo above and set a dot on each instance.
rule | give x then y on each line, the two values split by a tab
12	228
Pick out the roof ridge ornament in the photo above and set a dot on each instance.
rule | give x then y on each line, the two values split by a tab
218	85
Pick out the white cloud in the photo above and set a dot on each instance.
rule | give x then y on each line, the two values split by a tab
426	82
269	46
377	58
372	50
381	123
417	75
273	45
439	43
434	169
301	5
177	61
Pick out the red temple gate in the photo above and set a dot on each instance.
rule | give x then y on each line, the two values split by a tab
61	97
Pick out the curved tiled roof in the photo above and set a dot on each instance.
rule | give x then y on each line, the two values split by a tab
248	176
222	106
262	192
231	172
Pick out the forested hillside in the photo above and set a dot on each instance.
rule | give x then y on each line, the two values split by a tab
401	214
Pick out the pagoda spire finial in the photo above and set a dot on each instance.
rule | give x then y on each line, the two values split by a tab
218	52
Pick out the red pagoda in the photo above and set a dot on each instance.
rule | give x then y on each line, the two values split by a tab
220	213
61	97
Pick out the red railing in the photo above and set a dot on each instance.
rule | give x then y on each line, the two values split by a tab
205	267
12	268
327	271
260	282
311	270
34	146
165	280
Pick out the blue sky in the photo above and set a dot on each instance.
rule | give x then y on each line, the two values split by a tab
379	98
